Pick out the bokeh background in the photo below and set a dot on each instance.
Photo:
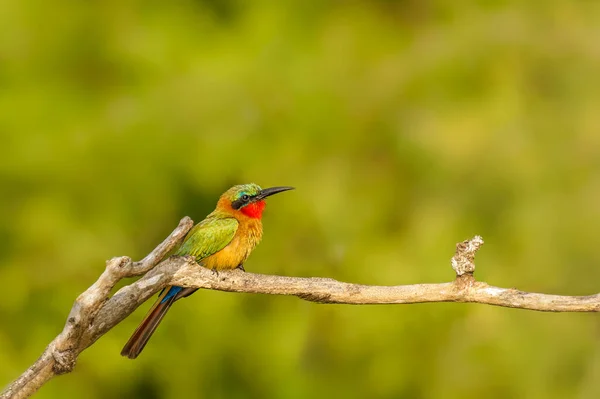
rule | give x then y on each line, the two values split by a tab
406	126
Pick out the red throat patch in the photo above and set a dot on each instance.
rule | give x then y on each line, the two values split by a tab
254	210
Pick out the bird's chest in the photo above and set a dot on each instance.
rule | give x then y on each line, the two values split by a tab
237	251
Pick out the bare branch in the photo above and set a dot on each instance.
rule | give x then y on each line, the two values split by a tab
61	354
94	313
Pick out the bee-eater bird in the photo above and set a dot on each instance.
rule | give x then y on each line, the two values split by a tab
223	240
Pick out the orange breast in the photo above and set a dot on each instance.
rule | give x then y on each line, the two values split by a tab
247	237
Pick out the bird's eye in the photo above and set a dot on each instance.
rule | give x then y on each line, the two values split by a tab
245	197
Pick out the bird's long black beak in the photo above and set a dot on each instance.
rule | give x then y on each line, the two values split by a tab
270	191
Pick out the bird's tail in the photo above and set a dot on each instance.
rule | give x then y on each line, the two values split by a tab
142	334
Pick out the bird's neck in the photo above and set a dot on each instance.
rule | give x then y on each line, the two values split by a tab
254	210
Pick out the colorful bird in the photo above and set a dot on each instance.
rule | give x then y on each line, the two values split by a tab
223	240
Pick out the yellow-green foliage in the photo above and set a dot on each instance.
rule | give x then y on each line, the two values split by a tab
405	126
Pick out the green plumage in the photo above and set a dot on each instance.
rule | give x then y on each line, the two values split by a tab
209	236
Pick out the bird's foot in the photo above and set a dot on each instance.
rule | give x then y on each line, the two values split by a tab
215	272
241	267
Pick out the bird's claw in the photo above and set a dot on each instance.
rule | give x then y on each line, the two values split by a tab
241	267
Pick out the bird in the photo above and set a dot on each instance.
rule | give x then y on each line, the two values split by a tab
222	241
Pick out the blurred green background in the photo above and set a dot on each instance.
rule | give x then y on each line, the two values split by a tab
406	126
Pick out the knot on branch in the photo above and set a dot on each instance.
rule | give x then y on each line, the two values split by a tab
64	361
118	264
463	262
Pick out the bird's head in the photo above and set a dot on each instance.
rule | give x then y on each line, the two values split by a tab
249	199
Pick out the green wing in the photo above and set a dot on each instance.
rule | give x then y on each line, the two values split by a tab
209	236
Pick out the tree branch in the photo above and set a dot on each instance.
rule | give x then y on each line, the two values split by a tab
84	325
94	313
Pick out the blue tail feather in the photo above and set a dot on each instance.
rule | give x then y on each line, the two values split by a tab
174	290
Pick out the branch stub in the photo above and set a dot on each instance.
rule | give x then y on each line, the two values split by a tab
463	261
